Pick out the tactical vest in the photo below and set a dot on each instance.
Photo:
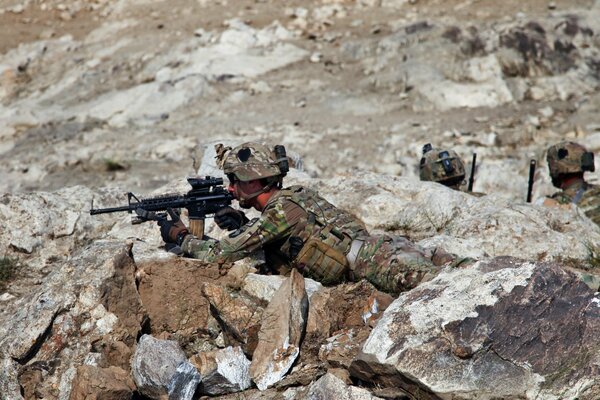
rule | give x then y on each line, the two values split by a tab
318	246
590	203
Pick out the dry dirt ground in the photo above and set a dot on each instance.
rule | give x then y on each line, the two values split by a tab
303	108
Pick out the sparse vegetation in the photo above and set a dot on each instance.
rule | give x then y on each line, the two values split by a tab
8	270
593	259
113	165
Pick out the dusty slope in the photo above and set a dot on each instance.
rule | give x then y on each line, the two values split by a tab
344	105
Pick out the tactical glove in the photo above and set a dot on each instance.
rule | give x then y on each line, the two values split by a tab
230	218
172	231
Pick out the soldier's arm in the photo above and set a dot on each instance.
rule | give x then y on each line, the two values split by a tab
271	225
554	203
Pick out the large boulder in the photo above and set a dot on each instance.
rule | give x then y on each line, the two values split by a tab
159	367
500	329
484	227
281	332
44	227
91	296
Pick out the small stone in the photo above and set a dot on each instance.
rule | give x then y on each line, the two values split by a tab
546	112
47	34
6	297
93	63
316	57
18	9
552	5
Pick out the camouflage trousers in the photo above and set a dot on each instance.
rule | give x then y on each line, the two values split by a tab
395	264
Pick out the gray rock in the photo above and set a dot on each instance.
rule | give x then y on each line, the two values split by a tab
223	371
264	286
9	384
184	382
155	365
330	386
462	224
489	331
281	332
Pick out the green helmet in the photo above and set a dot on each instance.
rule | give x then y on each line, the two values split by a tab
250	161
442	166
569	157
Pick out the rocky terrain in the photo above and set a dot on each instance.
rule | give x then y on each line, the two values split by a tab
102	97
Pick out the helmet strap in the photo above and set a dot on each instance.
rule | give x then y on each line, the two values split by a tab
275	183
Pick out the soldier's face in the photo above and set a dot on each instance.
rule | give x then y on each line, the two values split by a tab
243	190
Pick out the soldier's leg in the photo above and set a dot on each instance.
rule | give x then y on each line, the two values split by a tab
394	265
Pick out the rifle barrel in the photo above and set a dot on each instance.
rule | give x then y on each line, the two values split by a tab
96	211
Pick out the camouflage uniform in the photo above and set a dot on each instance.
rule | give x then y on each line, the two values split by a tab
445	167
572	158
585	196
301	229
391	264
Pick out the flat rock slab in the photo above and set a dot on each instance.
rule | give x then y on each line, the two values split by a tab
489	331
281	332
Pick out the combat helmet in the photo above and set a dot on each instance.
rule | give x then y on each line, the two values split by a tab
442	166
569	157
250	161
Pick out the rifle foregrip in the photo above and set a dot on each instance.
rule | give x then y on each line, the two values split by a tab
196	227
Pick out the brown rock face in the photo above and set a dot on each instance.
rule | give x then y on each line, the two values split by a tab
93	383
281	332
343	307
504	328
339	350
171	293
120	297
238	316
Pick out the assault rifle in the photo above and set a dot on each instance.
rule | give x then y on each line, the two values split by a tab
206	197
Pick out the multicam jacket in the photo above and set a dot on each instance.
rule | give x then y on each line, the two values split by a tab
296	220
585	196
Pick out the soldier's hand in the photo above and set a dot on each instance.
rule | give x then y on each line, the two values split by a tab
172	231
230	218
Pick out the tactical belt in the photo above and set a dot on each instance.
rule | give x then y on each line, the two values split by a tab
354	251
